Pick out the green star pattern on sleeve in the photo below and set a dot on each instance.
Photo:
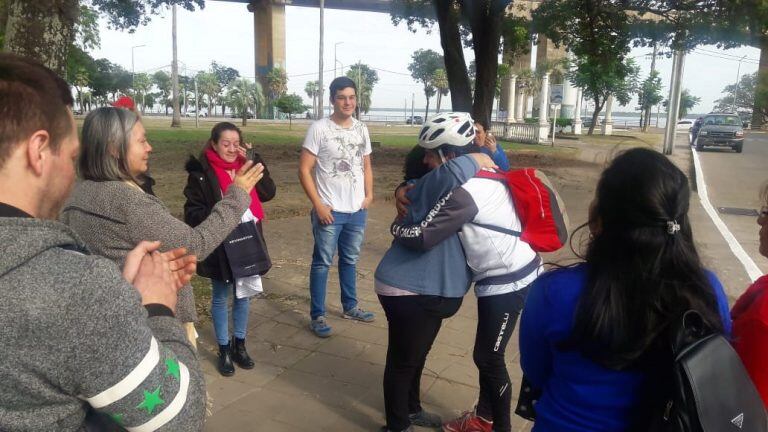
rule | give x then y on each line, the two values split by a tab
117	418
172	368
151	400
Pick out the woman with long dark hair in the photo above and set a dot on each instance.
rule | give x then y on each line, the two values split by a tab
593	336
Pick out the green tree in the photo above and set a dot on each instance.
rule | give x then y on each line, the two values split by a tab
209	87
225	75
423	65
163	83
480	24
243	95
290	104
311	88
649	95
687	102
440	83
598	34
46	29
741	98
365	79
277	83
142	84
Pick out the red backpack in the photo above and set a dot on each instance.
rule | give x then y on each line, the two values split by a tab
540	209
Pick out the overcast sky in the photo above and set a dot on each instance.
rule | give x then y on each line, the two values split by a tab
223	32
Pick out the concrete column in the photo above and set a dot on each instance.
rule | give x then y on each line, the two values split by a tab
607	127
509	106
577	113
519	113
544	108
269	35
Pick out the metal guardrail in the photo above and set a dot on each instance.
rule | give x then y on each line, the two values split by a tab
518	132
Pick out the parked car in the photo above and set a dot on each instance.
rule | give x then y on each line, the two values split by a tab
720	130
191	113
417	120
684	125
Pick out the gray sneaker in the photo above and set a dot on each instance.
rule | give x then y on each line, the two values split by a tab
425	419
319	327
360	315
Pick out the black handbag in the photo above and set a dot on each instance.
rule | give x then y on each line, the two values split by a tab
247	251
526	401
710	390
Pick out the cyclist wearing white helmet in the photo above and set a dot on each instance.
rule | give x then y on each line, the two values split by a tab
418	289
502	265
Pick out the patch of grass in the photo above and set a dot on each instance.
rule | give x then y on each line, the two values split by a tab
625	138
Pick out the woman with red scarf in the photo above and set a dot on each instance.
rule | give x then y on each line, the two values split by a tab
750	317
209	178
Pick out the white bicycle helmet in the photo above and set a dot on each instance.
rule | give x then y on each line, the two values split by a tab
451	128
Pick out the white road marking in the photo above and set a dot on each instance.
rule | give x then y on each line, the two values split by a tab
749	265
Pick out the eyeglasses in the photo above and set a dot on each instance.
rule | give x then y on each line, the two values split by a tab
226	143
763	211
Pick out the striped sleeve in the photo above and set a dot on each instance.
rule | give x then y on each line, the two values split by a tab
139	371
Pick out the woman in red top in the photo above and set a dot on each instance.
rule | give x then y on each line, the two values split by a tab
750	317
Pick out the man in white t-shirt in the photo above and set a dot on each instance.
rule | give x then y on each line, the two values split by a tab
335	172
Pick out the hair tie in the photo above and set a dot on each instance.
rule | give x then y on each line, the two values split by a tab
672	227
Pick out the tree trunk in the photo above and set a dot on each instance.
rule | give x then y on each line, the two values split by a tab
455	65
290	121
426	111
598	109
42	30
245	117
760	109
437	104
485	22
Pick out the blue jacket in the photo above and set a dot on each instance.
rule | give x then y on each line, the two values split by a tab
578	395
442	270
499	158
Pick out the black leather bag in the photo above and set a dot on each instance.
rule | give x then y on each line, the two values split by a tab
526	401
247	251
710	389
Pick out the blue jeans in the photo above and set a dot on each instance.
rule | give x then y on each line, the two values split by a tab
346	233
220	315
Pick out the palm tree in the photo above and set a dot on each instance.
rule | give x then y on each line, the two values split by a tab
209	86
243	95
311	88
440	82
277	81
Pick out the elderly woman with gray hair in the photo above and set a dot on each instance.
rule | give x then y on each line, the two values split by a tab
111	213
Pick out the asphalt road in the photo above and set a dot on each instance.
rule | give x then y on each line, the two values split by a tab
734	180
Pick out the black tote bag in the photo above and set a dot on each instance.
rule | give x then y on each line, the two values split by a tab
247	251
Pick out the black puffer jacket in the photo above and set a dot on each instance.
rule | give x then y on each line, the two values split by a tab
203	192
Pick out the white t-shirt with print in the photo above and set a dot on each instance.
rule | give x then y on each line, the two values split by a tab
339	168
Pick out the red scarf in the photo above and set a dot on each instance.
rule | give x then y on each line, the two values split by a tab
220	167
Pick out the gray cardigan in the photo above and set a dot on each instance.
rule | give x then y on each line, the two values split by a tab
112	217
75	336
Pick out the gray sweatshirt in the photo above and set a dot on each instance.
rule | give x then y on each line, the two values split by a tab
112	218
75	337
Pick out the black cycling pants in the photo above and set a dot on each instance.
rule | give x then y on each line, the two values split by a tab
496	319
413	325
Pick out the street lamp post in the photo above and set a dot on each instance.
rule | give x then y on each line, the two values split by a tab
336	61
133	69
736	93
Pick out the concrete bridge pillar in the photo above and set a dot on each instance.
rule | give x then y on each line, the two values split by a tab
269	36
